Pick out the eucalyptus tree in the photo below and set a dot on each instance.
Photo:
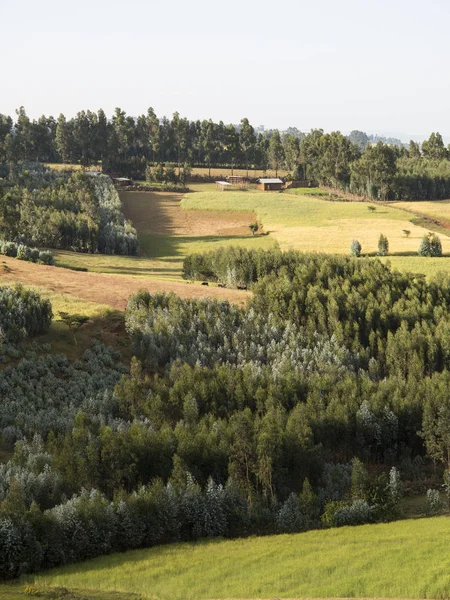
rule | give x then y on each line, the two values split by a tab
154	134
248	141
434	147
232	146
276	151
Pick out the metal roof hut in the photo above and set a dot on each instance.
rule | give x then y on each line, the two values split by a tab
269	185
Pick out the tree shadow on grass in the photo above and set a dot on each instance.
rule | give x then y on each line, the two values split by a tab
171	247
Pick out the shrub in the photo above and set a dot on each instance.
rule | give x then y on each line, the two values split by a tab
23	252
338	514
290	518
434	503
383	245
34	254
355	248
9	249
430	245
46	258
23	313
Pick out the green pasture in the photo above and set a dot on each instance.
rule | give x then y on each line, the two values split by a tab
16	592
312	224
404	559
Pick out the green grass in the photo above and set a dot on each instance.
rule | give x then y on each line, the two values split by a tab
312	224
105	324
436	209
163	257
405	559
430	267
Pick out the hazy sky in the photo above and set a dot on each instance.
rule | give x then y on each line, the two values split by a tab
376	65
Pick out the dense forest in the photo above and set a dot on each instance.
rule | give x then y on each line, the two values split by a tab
79	212
367	165
317	404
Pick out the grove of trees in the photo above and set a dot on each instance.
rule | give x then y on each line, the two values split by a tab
78	212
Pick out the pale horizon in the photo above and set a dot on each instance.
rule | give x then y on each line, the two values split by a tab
378	67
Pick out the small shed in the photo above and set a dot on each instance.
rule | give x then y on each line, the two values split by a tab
223	185
269	185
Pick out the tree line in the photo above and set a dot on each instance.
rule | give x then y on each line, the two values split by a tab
369	165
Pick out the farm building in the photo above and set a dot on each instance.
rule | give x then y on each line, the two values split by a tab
238	180
223	185
269	184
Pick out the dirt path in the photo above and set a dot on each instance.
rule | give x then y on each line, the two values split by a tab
160	213
112	290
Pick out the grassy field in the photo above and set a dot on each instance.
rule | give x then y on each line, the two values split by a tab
312	224
405	559
207	219
436	209
167	233
170	226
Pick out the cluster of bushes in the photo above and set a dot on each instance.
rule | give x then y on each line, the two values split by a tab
79	212
235	266
23	313
430	245
168	173
23	252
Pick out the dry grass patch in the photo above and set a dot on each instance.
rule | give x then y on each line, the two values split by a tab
338	236
110	290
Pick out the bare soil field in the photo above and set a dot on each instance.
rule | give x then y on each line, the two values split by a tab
111	290
160	213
